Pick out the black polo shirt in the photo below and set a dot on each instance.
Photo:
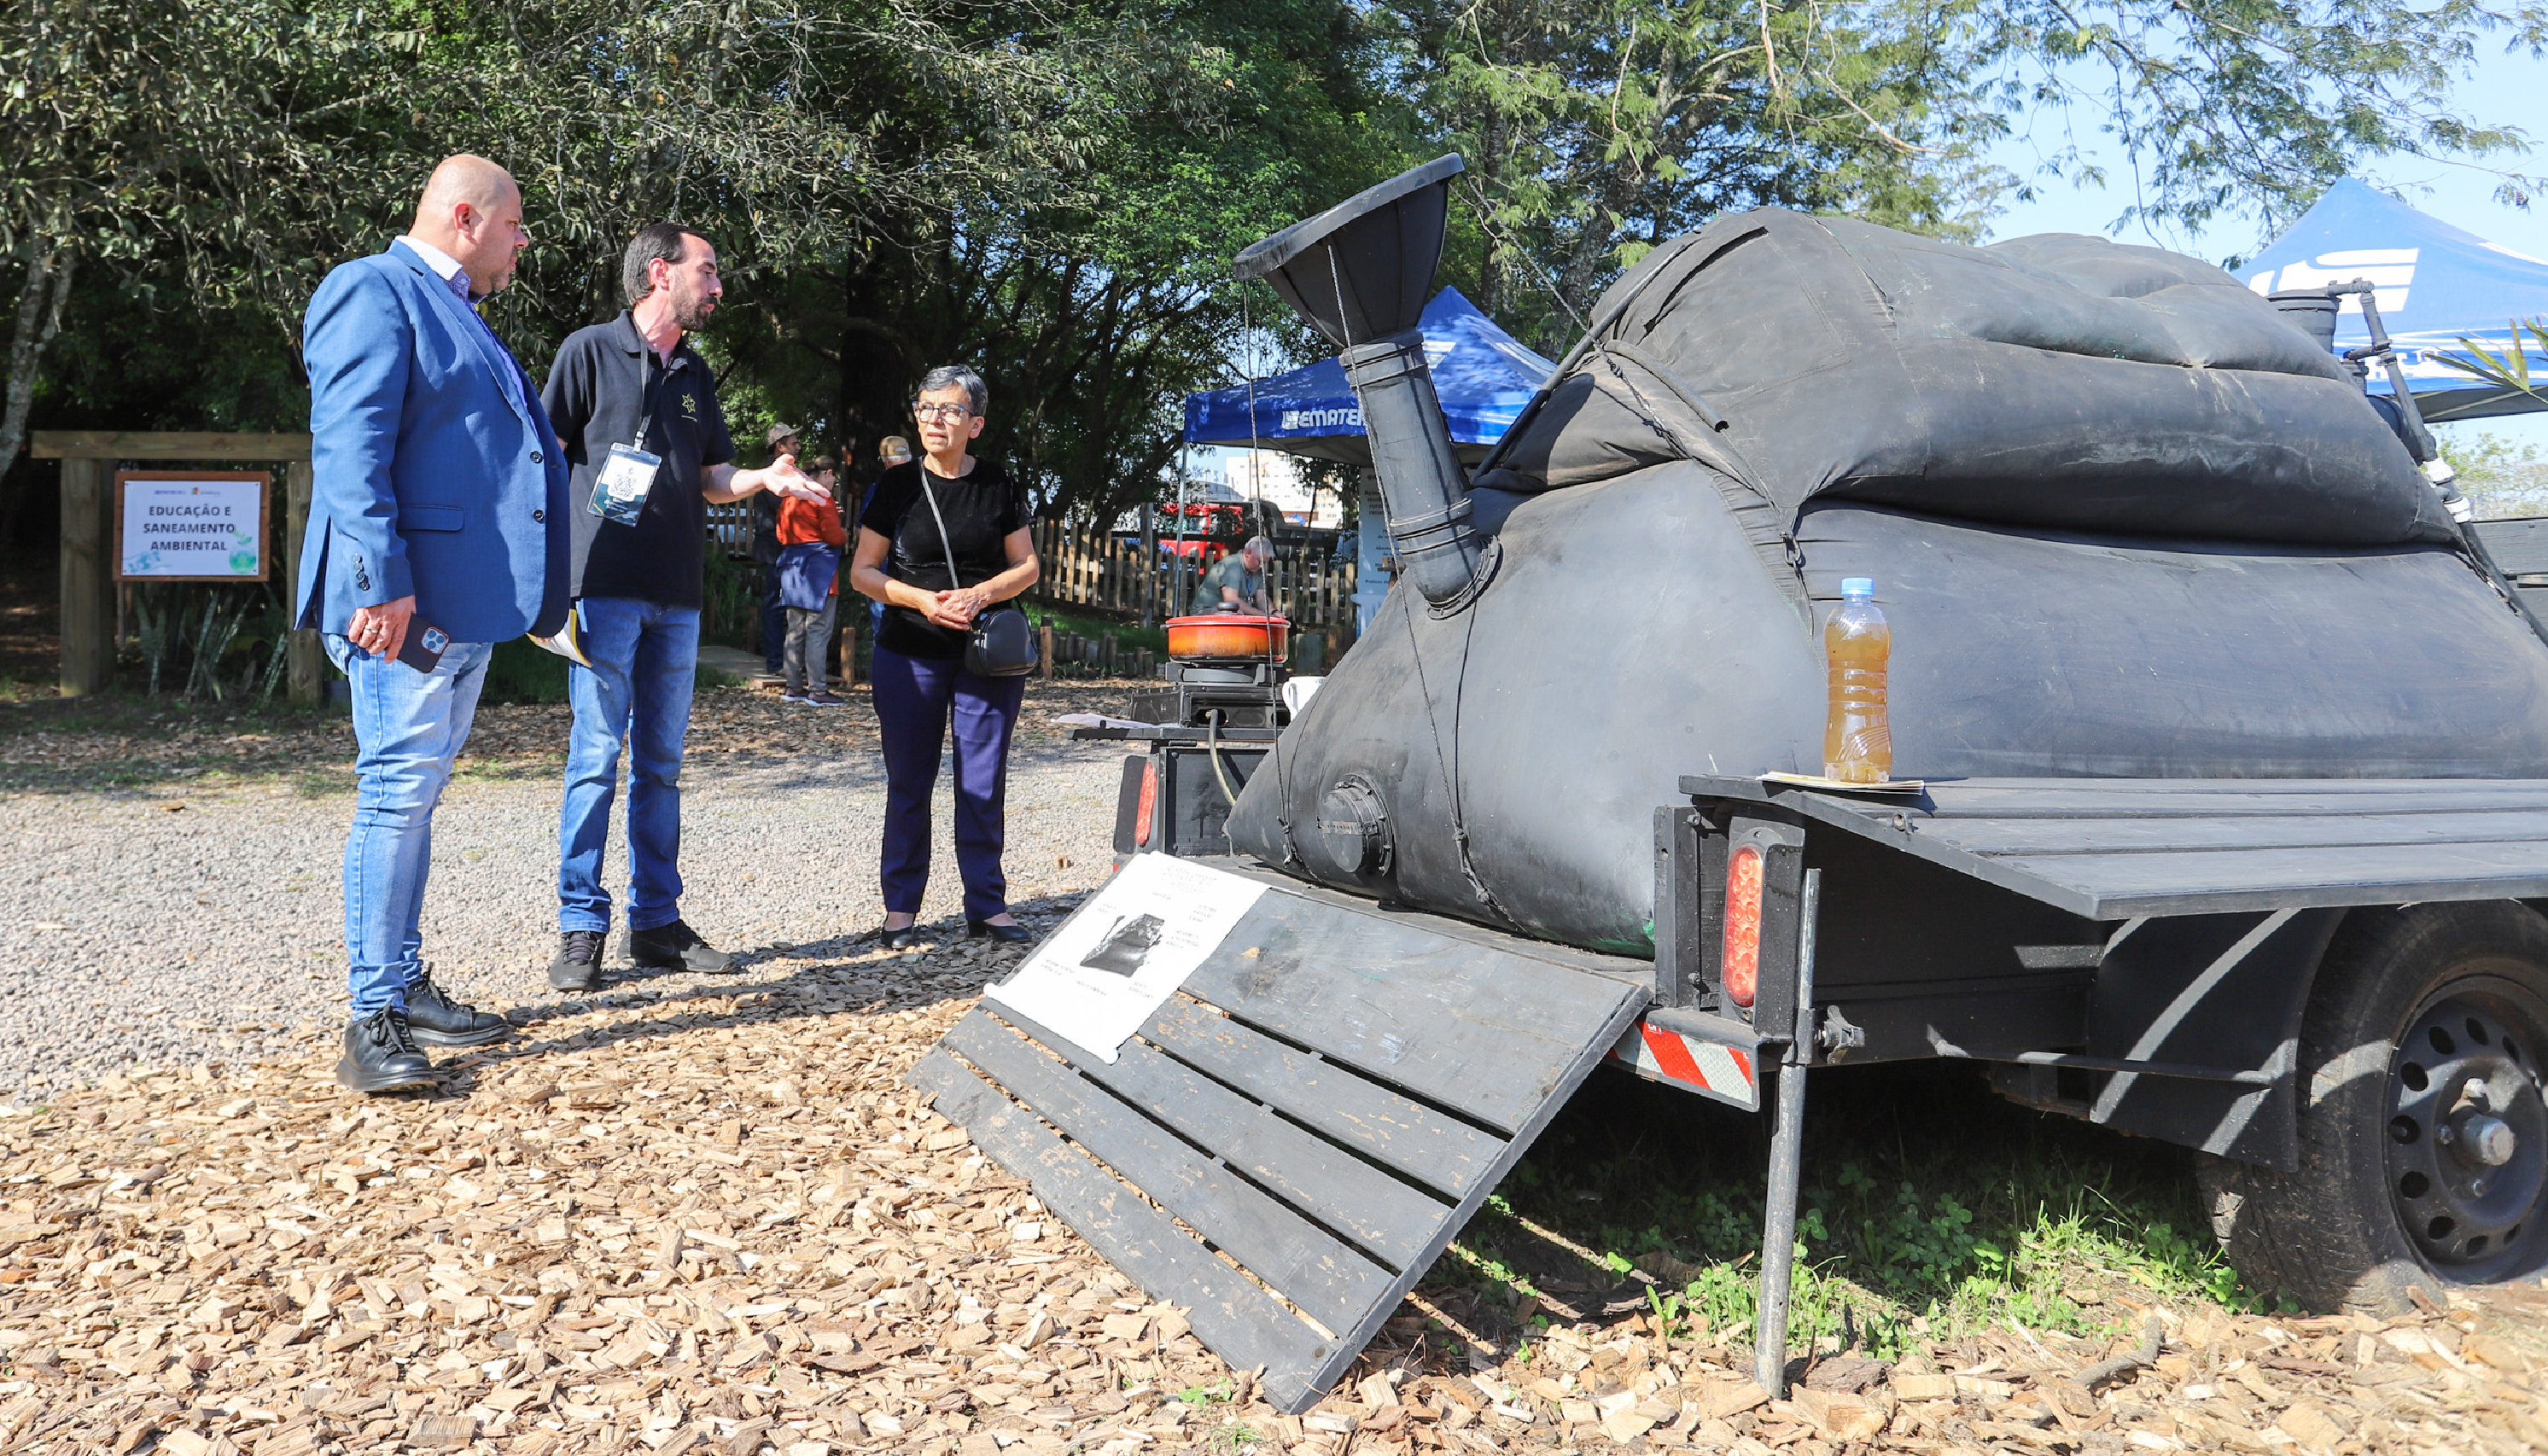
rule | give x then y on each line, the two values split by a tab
602	380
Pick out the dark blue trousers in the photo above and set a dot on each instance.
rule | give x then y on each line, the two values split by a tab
915	696
773	623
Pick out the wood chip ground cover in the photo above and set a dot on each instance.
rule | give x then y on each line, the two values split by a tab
691	1218
721	1223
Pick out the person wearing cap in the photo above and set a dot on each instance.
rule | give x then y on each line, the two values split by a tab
762	514
1236	582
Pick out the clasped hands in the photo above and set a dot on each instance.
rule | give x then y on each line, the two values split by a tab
959	607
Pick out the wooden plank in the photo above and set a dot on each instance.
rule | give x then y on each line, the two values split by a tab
1439	1150
1376	1211
305	659
2047	837
2181	798
1241	1322
1463	1025
111	444
2163	884
2519	547
1605	1035
1303	1263
87	580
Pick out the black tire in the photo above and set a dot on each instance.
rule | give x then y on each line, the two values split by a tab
2421	1053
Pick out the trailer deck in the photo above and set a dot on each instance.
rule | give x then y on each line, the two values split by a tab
2119	849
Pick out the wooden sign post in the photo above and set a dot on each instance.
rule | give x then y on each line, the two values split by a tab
90	563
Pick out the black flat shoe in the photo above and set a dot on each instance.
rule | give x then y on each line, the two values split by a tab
901	940
1006	935
674	947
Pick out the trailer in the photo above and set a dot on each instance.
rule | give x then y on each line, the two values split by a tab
1355	957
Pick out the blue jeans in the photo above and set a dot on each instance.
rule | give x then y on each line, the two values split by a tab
915	697
409	727
645	662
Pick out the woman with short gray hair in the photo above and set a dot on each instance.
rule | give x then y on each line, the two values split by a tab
924	515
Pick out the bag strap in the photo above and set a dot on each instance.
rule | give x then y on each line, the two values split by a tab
955	577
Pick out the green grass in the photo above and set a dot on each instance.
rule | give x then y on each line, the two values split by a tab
1125	634
1929	1208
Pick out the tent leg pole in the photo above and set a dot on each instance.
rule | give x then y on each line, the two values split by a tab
1786	1166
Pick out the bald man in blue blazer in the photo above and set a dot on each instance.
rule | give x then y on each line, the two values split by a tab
438	529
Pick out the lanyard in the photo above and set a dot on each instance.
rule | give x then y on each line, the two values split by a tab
654	396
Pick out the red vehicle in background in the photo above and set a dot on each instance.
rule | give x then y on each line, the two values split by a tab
1213	530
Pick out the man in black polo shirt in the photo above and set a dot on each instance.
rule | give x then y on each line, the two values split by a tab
637	411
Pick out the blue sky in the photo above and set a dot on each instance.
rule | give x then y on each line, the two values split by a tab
2501	89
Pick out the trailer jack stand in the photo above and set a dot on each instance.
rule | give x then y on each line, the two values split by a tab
1786	1163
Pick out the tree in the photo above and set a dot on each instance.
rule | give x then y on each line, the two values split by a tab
1592	132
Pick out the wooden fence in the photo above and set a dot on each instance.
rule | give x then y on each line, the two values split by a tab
1112	572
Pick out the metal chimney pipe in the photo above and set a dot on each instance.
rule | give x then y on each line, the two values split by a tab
1361	272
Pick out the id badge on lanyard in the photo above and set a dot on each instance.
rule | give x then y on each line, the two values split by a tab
626	476
620	491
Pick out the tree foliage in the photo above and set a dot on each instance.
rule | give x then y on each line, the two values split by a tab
1051	189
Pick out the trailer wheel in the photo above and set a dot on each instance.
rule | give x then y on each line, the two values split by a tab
2423	1139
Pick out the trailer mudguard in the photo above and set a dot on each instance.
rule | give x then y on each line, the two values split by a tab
2220	991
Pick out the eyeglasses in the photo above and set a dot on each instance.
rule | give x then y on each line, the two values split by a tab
937	412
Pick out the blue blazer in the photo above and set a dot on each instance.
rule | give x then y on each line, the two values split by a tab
436	471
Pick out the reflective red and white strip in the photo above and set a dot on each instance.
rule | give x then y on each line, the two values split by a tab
1718	1070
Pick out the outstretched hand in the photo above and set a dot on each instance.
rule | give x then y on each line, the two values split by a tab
784	478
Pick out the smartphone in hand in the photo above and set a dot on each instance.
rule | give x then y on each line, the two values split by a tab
423	648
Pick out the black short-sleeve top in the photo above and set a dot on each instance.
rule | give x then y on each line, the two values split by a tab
982	508
604	385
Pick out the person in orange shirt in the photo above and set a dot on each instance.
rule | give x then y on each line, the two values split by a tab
810	538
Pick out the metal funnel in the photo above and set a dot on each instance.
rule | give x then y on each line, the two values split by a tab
1361	272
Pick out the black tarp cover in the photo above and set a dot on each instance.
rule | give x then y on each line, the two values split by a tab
2126	521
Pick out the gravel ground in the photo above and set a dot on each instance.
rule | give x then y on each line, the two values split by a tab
178	895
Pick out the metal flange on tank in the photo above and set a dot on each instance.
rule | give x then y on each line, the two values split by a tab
1360	272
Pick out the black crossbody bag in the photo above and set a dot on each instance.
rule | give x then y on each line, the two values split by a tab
1002	643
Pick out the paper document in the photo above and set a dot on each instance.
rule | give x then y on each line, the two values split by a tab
1098	977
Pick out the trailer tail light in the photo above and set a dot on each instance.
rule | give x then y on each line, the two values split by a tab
1148	806
1742	958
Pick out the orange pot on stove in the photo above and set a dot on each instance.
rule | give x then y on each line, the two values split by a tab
1229	634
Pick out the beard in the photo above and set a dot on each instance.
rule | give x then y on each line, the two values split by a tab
691	310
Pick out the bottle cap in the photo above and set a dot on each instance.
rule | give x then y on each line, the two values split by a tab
1858	586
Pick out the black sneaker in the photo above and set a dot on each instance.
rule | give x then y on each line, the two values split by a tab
823	700
577	966
381	1056
436	1020
793	695
674	947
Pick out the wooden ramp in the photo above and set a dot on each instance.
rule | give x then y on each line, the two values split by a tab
1303	1121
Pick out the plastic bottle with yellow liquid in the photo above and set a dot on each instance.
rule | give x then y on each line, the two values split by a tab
1858	742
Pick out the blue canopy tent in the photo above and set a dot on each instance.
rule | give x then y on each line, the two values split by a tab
1482	375
2436	284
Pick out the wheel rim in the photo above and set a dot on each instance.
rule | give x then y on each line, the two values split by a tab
2467	1130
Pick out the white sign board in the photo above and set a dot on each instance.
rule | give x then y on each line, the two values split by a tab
203	527
1098	977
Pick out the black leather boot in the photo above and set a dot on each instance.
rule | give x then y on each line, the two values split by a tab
436	1020
381	1056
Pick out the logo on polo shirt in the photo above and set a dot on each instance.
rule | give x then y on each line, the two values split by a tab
690	406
